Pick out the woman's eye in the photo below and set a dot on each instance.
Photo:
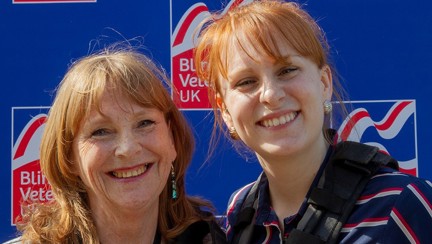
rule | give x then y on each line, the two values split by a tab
99	132
287	70
245	82
145	123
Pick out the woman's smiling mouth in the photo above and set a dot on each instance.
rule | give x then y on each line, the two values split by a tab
279	121
131	173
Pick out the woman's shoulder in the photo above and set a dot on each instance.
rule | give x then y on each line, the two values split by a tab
390	178
240	192
392	202
238	197
389	191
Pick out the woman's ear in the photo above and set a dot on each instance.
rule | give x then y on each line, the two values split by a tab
327	81
226	116
219	102
173	143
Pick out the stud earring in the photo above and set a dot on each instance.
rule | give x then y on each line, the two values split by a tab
173	184
328	106
233	133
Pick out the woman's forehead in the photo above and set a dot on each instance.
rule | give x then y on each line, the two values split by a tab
272	48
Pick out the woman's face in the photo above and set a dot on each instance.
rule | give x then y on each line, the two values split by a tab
276	108
123	154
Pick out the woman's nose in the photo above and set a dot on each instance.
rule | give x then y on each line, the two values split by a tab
272	93
128	144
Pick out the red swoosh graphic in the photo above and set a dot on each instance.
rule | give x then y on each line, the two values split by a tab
364	113
27	136
186	24
352	122
393	116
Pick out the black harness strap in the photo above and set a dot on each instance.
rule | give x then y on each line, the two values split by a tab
331	202
245	220
343	181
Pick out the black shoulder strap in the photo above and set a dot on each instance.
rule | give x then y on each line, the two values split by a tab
331	202
243	228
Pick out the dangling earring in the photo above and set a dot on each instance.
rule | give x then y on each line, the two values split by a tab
233	133
173	184
328	106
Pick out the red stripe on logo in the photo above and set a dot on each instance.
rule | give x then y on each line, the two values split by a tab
353	121
392	116
186	24
27	136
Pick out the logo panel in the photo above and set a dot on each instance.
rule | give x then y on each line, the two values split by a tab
189	92
388	125
28	183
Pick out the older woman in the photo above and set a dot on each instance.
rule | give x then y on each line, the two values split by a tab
115	151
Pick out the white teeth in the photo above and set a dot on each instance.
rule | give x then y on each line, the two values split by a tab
132	173
279	121
283	120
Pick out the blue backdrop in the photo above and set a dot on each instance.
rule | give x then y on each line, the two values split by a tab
382	51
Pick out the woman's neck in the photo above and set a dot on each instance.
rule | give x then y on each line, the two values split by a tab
290	178
127	227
